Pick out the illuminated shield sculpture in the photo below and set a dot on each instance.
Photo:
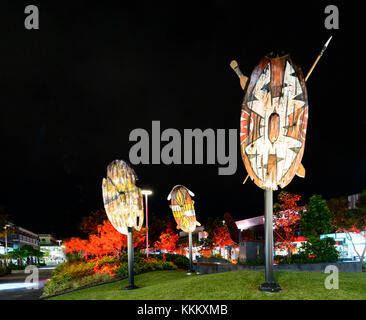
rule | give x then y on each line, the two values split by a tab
182	206
273	126
273	123
123	204
184	214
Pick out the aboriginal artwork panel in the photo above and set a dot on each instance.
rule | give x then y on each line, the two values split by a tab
273	123
123	201
182	207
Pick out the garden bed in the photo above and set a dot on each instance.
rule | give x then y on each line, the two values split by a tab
81	274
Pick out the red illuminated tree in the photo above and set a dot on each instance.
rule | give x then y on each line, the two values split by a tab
286	220
221	238
75	245
168	241
107	241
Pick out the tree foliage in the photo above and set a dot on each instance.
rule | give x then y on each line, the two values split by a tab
107	241
317	218
167	242
286	220
221	237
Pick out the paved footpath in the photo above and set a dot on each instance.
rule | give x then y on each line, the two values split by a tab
20	292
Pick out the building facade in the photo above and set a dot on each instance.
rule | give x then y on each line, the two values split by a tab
349	245
17	237
53	251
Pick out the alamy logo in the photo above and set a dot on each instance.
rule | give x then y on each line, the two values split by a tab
332	20
32	20
33	277
217	148
331	281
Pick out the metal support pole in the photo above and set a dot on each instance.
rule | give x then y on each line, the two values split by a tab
269	285
131	284
6	247
190	253
147	227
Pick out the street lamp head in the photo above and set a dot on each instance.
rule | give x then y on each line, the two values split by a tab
146	192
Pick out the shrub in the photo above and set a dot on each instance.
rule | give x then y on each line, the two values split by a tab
257	262
74	270
54	286
321	249
75	256
182	262
313	251
218	256
13	266
4	270
145	265
300	257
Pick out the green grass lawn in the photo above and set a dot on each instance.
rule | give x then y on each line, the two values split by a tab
242	285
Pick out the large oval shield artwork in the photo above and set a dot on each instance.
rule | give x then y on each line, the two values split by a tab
273	123
182	206
122	199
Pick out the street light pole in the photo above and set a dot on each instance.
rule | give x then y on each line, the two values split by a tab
146	193
6	247
6	244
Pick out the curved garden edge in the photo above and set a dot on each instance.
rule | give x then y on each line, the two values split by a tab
115	279
81	288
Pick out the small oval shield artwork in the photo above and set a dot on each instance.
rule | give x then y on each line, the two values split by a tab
273	123
182	206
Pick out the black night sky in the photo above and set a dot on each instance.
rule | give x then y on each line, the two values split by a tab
72	91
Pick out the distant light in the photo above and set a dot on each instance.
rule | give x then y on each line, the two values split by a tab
147	192
16	285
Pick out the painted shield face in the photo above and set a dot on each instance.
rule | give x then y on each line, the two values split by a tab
182	206
122	199
273	123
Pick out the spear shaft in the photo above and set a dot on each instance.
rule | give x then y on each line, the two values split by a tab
318	58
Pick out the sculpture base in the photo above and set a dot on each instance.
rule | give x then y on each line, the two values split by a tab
269	287
191	271
129	287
